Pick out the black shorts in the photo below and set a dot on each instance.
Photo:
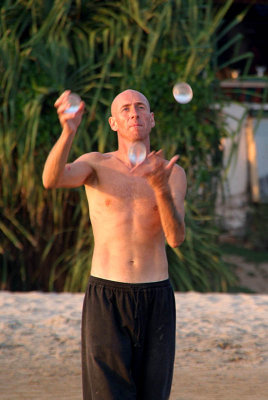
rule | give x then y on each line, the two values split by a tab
128	340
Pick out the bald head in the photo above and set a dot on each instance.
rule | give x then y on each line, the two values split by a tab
129	93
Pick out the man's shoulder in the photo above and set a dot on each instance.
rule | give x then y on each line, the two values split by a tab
95	156
97	161
177	169
178	175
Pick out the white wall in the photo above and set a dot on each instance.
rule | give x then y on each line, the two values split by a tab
261	139
233	198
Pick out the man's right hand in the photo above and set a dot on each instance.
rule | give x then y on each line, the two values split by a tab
69	121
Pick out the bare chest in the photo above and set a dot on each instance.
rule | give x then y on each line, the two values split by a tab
119	191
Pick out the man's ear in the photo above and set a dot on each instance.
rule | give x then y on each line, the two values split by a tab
113	124
152	120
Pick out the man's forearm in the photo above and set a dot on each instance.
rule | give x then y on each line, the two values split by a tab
172	222
57	160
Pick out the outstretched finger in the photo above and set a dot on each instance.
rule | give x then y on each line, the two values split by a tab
171	163
160	153
151	154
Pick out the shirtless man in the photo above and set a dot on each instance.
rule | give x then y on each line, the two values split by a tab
128	322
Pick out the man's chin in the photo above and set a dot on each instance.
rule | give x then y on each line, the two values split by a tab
137	138
137	128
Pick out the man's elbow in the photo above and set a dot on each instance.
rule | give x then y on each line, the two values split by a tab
176	242
48	186
47	183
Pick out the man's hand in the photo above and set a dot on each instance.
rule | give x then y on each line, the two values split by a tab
155	170
56	171
69	121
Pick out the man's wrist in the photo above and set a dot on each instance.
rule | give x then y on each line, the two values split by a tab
163	190
67	131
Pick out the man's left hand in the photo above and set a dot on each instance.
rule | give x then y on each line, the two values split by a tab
155	169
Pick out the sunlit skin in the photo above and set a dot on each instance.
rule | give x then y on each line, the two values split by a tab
133	211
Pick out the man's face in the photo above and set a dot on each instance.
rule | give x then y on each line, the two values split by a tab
131	116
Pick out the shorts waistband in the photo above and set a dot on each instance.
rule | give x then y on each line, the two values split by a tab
125	285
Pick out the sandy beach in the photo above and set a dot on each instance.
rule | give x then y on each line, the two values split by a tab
222	346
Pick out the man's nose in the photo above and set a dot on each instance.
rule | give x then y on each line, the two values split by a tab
134	112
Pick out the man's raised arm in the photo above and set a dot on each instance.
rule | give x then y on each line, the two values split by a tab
57	173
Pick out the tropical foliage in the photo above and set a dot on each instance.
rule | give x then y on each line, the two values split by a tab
97	48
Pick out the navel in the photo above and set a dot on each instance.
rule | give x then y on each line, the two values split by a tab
155	208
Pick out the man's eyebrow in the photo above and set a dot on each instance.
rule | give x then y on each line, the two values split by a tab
124	105
136	103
